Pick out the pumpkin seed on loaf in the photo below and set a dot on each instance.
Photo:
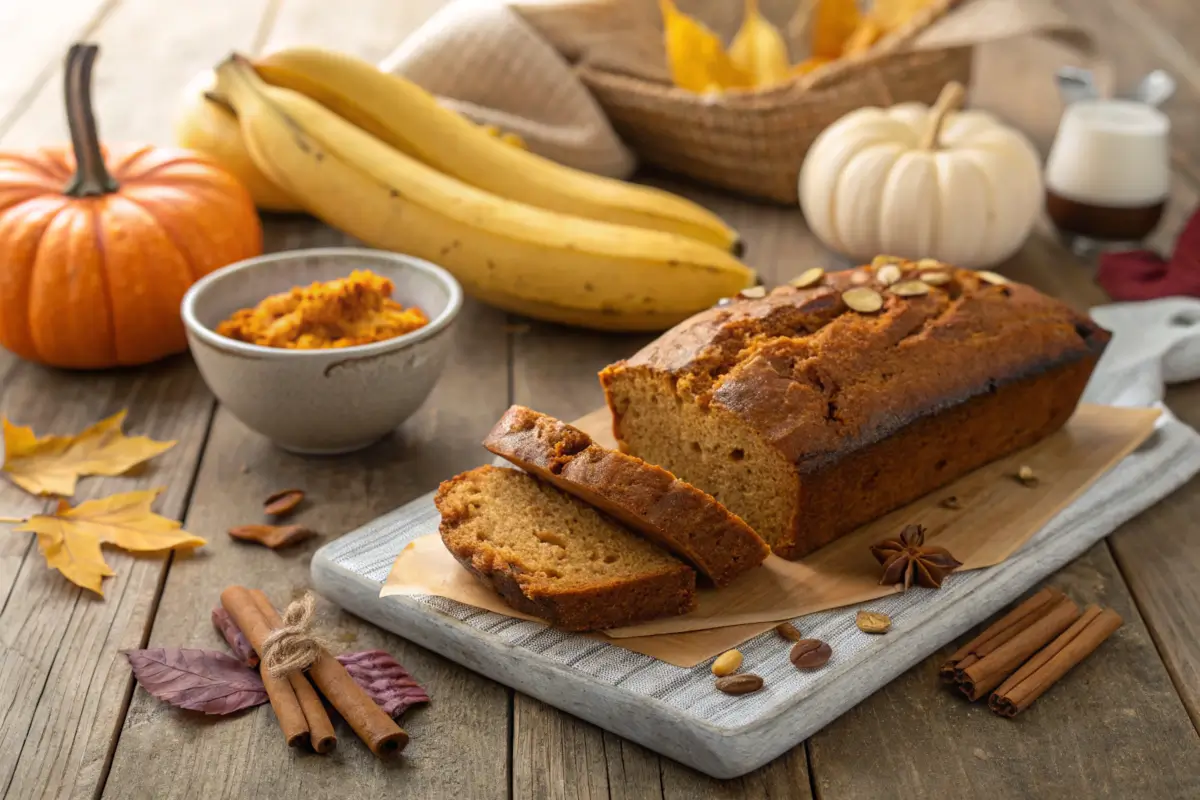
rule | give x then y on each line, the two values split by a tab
553	556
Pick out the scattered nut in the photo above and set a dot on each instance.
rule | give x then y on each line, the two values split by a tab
283	503
810	654
745	683
863	300
788	631
727	663
888	274
936	278
910	289
810	277
879	261
951	503
994	278
929	263
873	622
753	292
1027	476
273	536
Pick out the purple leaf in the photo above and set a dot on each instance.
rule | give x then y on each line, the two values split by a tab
234	637
198	680
382	677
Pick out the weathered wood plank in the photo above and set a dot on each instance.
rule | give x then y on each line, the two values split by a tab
1114	727
38	37
64	684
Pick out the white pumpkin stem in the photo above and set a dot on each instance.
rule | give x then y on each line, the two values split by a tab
951	99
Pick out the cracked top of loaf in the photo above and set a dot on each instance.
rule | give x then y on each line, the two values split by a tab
814	376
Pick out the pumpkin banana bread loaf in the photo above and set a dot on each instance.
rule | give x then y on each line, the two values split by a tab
551	555
650	500
827	403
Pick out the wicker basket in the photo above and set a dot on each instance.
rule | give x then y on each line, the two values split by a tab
754	142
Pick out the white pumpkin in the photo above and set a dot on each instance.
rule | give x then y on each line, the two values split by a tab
917	182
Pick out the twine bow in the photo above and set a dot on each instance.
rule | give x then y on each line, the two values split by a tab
294	647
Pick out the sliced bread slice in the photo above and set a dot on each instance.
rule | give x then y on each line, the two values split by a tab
689	522
553	556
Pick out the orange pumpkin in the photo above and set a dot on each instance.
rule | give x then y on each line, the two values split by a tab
98	249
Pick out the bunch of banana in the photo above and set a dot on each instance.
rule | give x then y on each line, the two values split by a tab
378	158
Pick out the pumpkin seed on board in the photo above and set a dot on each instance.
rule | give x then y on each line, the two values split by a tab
936	278
753	292
994	278
863	300
727	663
873	622
1027	476
810	277
888	274
909	289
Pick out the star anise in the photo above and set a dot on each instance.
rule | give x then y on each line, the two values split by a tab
907	559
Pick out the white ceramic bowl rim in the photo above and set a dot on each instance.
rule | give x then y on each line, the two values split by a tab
453	304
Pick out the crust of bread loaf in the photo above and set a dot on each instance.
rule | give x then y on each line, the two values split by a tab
605	604
875	410
650	500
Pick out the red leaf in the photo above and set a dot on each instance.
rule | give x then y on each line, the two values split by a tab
198	680
234	637
384	680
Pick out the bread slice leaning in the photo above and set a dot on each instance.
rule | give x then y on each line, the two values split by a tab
553	556
673	514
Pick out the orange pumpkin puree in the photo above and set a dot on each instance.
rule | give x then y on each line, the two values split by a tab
358	309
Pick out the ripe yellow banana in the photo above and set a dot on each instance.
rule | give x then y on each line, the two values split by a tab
518	257
410	119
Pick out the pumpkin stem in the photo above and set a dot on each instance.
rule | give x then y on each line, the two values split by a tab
949	100
91	177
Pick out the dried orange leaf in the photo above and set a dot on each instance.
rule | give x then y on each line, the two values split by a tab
695	55
70	538
52	464
892	14
864	36
759	49
832	25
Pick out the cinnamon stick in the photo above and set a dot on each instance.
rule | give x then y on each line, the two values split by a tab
241	606
321	734
377	729
978	679
1054	661
1000	632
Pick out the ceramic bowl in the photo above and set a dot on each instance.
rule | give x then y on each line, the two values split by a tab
321	401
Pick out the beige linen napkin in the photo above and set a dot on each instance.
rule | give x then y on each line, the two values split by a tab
484	61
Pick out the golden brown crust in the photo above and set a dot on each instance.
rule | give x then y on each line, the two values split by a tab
828	387
608	603
650	500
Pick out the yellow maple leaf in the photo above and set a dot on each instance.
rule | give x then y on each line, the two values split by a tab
833	22
759	49
863	38
52	464
70	538
695	55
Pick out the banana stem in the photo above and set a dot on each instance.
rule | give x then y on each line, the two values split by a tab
949	100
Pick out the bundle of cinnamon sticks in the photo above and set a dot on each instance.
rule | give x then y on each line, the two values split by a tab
1028	650
297	705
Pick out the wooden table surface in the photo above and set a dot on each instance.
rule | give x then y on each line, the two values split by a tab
73	723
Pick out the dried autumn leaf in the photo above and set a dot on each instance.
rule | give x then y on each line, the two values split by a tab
759	50
70	538
809	64
892	14
833	22
696	57
384	681
198	680
52	464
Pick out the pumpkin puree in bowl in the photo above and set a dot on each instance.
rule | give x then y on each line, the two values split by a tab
358	309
